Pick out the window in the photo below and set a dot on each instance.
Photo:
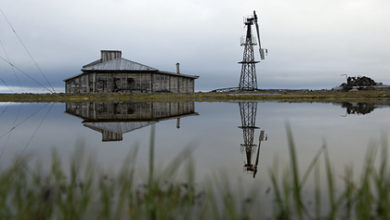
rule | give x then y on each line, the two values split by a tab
101	84
117	84
130	83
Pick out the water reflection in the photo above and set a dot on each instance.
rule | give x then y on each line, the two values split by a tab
115	119
248	111
358	108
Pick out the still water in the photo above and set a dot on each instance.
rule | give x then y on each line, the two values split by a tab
224	137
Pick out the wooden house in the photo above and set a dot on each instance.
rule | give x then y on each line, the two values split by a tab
112	73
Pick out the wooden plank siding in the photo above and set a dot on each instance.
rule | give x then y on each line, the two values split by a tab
143	82
101	111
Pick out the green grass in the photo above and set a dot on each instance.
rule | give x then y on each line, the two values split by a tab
83	191
370	96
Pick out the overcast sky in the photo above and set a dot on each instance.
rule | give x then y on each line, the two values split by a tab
311	42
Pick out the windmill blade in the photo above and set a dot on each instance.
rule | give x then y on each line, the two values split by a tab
258	36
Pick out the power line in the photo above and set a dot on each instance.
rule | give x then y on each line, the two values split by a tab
23	121
4	110
27	50
37	128
5	84
8	58
9	135
24	73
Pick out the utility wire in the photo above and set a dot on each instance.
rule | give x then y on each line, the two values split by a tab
5	84
9	135
13	70
37	128
24	73
21	122
8	58
4	110
26	49
6	142
32	136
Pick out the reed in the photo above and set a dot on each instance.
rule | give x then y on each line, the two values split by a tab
84	191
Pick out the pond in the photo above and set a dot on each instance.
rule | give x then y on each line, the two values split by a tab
224	137
239	143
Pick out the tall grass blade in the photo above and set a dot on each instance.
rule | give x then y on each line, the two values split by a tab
331	185
295	172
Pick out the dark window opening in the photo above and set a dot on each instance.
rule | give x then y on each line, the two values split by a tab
130	84
117	84
117	110
101	108
130	110
102	84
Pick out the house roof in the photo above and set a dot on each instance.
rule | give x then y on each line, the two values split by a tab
120	64
159	72
123	65
117	127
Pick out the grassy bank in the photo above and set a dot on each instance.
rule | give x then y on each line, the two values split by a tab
374	96
83	191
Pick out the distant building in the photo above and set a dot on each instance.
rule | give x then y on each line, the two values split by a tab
112	73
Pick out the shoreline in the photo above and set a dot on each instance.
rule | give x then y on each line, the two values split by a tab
366	96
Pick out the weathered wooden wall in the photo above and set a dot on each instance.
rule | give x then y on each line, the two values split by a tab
96	111
129	82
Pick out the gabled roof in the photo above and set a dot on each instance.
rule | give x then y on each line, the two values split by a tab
117	127
120	64
123	65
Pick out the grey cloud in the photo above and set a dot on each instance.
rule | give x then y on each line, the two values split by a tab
311	43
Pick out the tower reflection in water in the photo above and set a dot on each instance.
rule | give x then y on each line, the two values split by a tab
112	120
248	112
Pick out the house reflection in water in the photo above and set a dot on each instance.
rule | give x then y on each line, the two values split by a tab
115	119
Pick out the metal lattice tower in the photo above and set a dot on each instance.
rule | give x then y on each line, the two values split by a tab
248	112
248	80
